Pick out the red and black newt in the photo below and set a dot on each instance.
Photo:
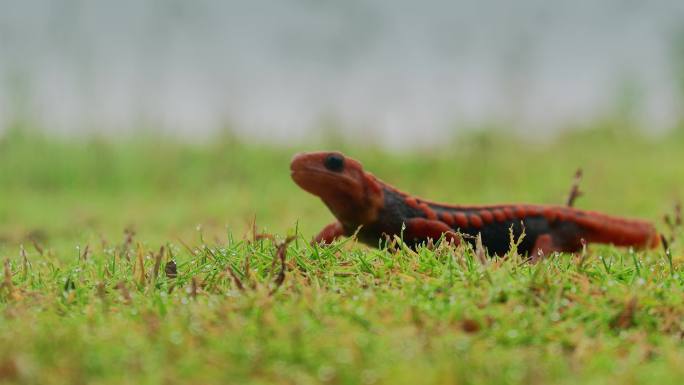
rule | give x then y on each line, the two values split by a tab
362	202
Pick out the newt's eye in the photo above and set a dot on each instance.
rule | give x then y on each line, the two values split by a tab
334	162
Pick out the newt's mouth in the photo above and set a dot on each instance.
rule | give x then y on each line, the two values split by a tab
322	183
307	176
301	174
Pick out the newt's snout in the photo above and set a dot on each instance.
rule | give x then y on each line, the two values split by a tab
301	168
298	161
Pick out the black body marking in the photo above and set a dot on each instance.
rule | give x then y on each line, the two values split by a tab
394	213
495	235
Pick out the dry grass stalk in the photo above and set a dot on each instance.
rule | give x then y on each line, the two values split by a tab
574	189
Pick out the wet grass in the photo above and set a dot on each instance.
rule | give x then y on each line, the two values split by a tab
188	294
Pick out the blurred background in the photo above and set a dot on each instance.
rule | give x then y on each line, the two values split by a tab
128	125
172	116
396	72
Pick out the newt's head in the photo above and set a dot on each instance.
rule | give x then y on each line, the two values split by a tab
353	195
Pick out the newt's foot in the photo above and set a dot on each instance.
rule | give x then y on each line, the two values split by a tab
542	248
329	234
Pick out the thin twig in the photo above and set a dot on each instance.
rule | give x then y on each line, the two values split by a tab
84	255
37	246
7	282
193	287
125	294
480	250
141	263
236	279
281	255
187	247
157	263
625	319
254	229
574	189
128	241
675	224
24	261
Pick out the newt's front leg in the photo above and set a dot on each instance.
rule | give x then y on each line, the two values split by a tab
549	243
543	247
330	233
422	229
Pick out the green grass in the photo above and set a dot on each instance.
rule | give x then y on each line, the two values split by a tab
345	314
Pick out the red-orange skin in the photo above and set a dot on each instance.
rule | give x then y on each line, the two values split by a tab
358	200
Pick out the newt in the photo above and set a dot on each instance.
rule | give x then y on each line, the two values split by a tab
373	209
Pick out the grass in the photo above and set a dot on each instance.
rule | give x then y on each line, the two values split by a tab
82	301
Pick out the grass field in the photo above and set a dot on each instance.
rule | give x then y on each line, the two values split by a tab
88	297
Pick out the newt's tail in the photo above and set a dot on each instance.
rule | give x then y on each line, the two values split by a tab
602	228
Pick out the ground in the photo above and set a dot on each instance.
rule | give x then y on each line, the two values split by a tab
89	227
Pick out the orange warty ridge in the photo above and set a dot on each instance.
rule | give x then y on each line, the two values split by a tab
461	220
487	216
475	220
412	202
499	215
447	217
520	212
550	214
429	213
